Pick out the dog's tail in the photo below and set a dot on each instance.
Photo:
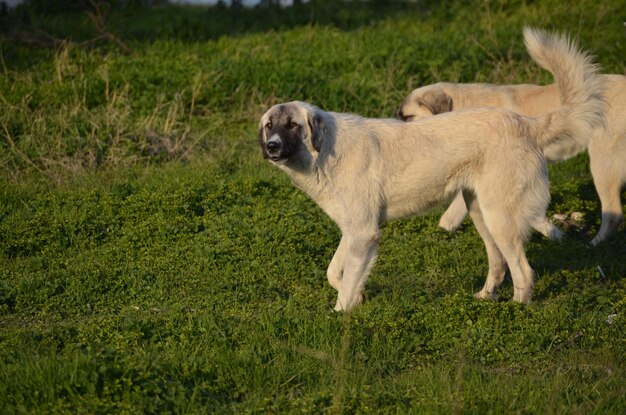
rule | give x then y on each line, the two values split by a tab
579	85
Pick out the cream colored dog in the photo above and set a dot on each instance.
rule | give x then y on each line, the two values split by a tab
606	146
362	171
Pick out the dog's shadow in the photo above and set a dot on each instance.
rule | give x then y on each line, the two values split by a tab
574	261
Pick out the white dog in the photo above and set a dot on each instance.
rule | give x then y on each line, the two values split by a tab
362	172
606	146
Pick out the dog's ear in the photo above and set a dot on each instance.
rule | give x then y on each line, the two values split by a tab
318	130
262	135
437	101
262	139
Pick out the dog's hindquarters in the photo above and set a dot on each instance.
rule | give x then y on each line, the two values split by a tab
504	207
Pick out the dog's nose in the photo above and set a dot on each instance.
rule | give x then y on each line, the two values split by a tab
404	117
273	146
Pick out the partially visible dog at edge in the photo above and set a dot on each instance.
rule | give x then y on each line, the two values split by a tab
364	171
606	146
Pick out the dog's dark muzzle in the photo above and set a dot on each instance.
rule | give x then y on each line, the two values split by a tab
274	149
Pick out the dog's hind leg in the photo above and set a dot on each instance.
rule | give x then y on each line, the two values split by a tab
497	263
509	238
453	217
547	229
608	181
360	255
612	217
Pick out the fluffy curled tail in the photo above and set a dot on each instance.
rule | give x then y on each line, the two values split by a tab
578	82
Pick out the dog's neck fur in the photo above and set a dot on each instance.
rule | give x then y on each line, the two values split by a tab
309	172
308	175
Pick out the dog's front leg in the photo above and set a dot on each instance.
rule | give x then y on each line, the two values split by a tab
360	254
335	269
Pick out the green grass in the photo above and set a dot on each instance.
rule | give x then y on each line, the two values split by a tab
152	261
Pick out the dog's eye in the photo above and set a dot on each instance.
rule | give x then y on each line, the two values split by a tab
268	125
292	124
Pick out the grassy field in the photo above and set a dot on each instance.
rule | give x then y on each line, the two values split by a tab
151	260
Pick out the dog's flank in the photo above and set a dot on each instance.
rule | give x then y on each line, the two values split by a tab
571	69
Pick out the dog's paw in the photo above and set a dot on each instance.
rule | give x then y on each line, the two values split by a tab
361	298
349	305
595	241
522	295
449	225
555	234
485	295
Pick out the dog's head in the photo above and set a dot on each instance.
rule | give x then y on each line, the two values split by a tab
290	131
424	102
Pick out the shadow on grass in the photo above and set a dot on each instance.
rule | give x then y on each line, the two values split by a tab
575	266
